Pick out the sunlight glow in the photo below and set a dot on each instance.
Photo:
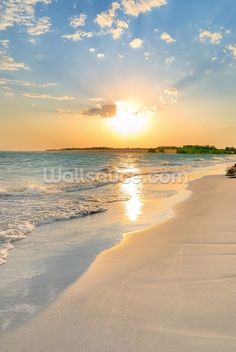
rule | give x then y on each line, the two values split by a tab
129	119
133	207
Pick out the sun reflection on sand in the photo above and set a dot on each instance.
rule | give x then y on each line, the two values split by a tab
133	207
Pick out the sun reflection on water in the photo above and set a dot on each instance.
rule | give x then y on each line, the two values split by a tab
132	189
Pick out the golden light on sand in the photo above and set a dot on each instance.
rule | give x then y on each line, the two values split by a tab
129	119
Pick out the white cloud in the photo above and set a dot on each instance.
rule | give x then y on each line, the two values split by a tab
7	63
136	43
147	55
120	56
18	82
171	91
100	55
47	96
117	32
170	60
232	49
135	7
92	50
167	38
4	43
106	18
77	36
41	26
2	82
78	21
32	41
166	101
122	24
7	93
96	100
213	37
18	12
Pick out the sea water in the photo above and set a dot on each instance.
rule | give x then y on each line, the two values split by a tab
58	210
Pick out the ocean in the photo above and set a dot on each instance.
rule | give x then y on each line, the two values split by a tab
58	210
30	196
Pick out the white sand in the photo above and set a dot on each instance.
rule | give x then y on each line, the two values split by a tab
168	289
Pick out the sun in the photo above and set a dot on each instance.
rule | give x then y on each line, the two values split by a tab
129	120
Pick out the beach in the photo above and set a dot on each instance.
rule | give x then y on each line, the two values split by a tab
168	288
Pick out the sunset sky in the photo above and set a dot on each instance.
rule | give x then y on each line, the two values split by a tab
122	74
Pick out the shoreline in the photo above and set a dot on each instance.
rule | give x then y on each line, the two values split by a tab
47	270
106	294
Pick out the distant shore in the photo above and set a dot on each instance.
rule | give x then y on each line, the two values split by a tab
169	288
186	149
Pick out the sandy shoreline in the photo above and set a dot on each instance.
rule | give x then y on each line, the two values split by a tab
169	288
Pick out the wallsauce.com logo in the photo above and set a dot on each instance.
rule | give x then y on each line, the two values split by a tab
81	176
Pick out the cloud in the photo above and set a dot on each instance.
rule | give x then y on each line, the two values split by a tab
41	26
120	28
5	91
77	36
109	22
106	18
147	55
7	63
68	112
232	49
116	33
96	100
136	7
8	93
4	43
78	21
47	96
101	111
101	56
167	38
213	37
19	12
136	43
171	91
122	24
4	81
170	60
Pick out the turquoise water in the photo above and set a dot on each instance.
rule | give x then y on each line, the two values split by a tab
29	198
50	232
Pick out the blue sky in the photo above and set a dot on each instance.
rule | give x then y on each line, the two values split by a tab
71	57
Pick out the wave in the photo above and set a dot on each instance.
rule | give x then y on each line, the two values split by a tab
9	236
31	190
4	251
27	205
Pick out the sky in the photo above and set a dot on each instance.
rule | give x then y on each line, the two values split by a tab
124	73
